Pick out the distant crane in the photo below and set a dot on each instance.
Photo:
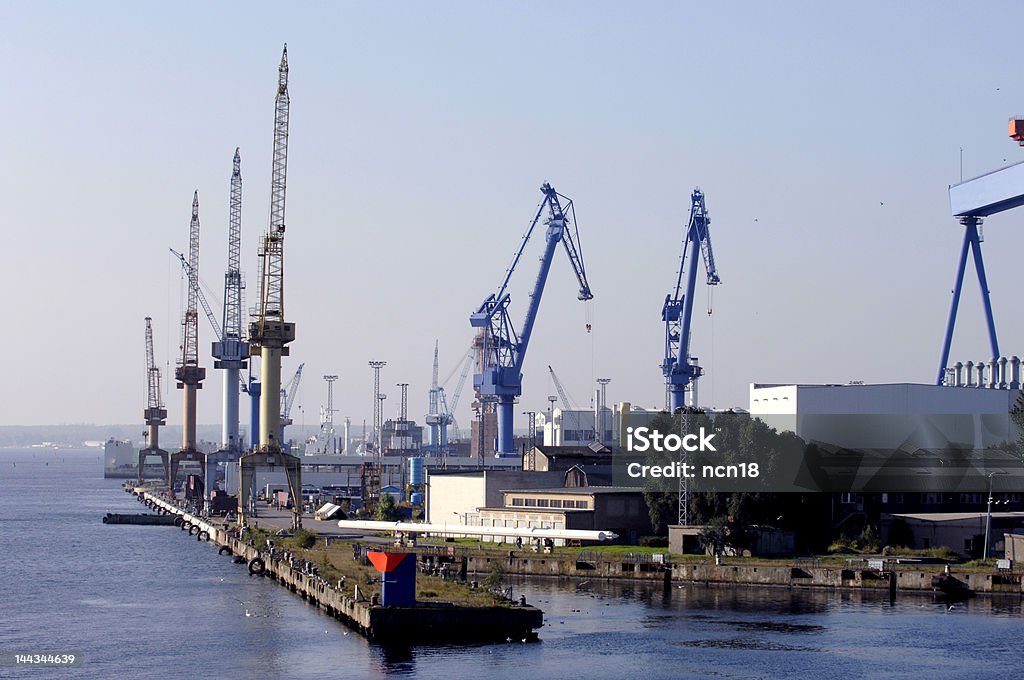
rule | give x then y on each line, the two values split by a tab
679	368
288	393
449	424
433	417
155	414
189	374
567	402
503	351
269	333
231	351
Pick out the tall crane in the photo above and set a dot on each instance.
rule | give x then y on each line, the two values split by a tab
503	351
433	418
269	333
155	414
188	373
679	368
231	350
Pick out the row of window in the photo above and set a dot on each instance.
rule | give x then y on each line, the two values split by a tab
548	503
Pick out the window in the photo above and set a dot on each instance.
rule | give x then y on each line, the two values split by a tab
542	502
970	499
931	499
518	502
555	503
848	498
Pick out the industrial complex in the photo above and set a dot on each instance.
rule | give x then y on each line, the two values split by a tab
555	471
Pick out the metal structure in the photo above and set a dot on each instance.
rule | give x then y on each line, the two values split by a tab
155	414
677	366
269	332
188	373
288	394
378	405
433	418
402	424
602	404
503	350
231	351
567	402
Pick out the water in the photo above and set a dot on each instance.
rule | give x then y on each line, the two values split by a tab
148	602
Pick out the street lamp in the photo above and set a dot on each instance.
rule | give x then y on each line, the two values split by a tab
988	514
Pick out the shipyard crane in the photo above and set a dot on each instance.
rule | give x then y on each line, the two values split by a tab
679	368
189	374
288	393
567	402
503	350
230	350
433	417
269	332
155	414
447	422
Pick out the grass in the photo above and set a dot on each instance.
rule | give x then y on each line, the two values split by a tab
335	561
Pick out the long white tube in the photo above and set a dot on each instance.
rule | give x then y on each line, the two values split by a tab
469	530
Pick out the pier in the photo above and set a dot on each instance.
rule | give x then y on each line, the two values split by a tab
425	622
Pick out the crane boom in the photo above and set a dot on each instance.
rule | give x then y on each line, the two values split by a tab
678	367
193	283
568	403
155	400
504	350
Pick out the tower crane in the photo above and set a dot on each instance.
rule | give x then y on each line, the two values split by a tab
503	350
448	411
230	350
155	414
269	332
679	368
189	374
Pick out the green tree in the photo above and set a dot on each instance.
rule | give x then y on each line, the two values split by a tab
387	509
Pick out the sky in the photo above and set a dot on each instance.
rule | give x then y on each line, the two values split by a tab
824	136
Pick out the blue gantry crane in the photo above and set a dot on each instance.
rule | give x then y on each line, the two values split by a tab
503	350
679	368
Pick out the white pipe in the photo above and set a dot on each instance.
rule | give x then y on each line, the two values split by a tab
469	530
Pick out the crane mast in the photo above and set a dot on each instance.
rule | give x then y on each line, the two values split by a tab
434	415
188	373
269	333
155	414
679	368
503	351
231	350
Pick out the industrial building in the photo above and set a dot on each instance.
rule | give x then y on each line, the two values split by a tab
963	532
606	508
888	416
456	496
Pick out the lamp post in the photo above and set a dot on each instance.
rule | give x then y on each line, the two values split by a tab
988	513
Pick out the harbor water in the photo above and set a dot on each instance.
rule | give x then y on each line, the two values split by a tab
148	602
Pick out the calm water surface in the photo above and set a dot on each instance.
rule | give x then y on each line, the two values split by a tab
147	602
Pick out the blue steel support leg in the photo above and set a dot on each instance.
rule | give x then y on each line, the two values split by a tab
678	397
254	415
944	361
506	442
979	266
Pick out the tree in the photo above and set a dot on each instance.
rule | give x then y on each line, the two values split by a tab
387	509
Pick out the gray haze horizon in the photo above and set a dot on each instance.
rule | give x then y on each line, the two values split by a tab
823	136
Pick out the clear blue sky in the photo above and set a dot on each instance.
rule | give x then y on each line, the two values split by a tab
824	137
